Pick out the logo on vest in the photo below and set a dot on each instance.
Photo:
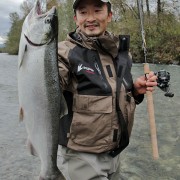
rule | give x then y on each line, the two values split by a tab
87	69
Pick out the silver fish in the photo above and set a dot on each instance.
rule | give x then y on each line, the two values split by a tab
40	95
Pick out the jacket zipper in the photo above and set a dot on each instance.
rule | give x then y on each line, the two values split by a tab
100	74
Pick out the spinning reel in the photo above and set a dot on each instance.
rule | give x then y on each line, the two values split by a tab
163	78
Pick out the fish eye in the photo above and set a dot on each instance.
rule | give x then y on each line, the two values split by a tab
48	20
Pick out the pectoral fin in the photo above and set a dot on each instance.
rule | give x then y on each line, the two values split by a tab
21	114
31	148
21	55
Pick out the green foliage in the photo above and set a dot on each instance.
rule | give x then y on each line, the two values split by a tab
162	35
162	30
163	39
66	22
12	44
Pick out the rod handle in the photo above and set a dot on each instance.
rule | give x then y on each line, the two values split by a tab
150	108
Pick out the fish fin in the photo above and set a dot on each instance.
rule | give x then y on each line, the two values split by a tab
21	56
31	148
21	114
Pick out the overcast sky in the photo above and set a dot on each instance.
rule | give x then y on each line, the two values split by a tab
6	7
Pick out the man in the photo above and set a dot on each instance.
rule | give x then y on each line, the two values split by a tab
94	68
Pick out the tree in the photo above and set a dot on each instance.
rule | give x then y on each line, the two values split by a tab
66	22
12	43
26	6
52	3
147	6
159	9
162	27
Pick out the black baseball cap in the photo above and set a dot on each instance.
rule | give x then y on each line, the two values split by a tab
76	2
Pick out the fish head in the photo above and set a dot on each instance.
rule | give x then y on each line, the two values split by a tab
40	28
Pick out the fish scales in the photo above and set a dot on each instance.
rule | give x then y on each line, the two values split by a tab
40	96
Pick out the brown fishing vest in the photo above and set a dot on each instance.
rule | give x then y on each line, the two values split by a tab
99	97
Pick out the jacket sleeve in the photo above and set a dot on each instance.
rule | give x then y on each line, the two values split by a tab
63	64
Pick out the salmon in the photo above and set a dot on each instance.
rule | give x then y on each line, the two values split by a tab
41	99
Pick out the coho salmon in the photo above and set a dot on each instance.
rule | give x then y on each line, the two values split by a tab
40	95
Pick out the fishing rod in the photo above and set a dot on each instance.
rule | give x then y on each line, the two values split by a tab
150	103
163	78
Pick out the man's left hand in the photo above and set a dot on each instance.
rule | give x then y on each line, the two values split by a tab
145	83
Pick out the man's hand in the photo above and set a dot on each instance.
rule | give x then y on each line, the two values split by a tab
143	84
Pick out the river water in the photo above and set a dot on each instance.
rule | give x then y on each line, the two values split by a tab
136	161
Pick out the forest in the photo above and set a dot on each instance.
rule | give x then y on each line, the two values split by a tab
161	21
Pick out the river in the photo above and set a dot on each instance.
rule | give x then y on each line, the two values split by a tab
136	161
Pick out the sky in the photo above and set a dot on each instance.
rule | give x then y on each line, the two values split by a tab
6	7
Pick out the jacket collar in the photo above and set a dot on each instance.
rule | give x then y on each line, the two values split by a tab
105	44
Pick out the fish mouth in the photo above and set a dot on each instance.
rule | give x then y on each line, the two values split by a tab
38	8
40	11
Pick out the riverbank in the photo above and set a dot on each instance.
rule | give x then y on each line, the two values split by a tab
154	61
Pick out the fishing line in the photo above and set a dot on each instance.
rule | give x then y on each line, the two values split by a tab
150	104
140	7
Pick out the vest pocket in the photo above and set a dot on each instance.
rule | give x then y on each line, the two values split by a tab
92	104
91	124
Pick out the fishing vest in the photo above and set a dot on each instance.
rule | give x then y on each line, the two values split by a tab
100	103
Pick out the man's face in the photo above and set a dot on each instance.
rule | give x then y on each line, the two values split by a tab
92	17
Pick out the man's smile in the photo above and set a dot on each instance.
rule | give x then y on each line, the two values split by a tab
91	26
